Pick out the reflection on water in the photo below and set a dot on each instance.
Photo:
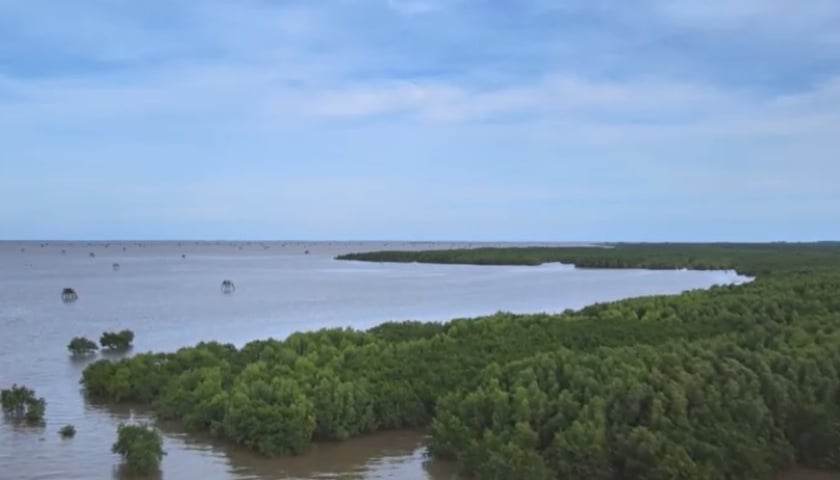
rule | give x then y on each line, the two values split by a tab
120	472
390	455
168	294
382	455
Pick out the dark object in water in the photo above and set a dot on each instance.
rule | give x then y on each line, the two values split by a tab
68	295
92	254
306	252
115	266
228	286
64	252
184	255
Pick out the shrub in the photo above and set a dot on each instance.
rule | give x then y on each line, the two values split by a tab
80	346
67	431
141	447
117	340
21	402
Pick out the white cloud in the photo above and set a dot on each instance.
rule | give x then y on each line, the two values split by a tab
555	96
311	98
389	99
261	97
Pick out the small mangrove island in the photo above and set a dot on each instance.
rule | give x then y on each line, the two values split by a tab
20	403
116	341
735	382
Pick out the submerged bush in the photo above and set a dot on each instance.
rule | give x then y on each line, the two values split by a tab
20	402
67	431
117	341
81	346
141	447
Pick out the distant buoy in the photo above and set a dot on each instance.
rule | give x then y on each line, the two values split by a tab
228	286
115	266
64	252
92	254
306	252
184	255
68	295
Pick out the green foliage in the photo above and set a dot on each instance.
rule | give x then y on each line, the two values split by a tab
20	402
117	341
747	258
67	431
731	382
140	446
81	346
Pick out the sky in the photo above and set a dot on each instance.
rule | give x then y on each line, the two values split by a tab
563	120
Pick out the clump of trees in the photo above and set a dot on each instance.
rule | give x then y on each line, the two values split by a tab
117	341
730	382
82	346
67	431
141	447
20	402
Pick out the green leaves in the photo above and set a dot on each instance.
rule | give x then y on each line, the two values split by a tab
20	402
117	341
731	382
272	417
141	447
81	346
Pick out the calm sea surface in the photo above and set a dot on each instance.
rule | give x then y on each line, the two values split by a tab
168	293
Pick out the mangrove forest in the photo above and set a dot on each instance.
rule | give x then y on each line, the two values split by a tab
732	382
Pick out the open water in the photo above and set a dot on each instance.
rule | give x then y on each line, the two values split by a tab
168	293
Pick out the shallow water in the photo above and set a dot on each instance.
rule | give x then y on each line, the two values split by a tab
170	301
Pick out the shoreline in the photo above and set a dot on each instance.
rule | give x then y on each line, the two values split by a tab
402	393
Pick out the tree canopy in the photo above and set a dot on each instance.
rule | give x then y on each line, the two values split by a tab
140	446
117	340
731	382
81	346
20	402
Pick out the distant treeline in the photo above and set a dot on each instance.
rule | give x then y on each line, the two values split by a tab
732	382
747	258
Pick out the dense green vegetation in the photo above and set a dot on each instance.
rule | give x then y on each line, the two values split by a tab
117	341
20	402
733	382
81	346
67	431
747	258
141	447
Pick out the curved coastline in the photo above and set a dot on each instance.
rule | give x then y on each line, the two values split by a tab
377	399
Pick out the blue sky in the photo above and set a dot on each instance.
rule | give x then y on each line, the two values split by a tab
420	119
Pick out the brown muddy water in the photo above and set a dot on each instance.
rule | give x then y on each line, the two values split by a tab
168	293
